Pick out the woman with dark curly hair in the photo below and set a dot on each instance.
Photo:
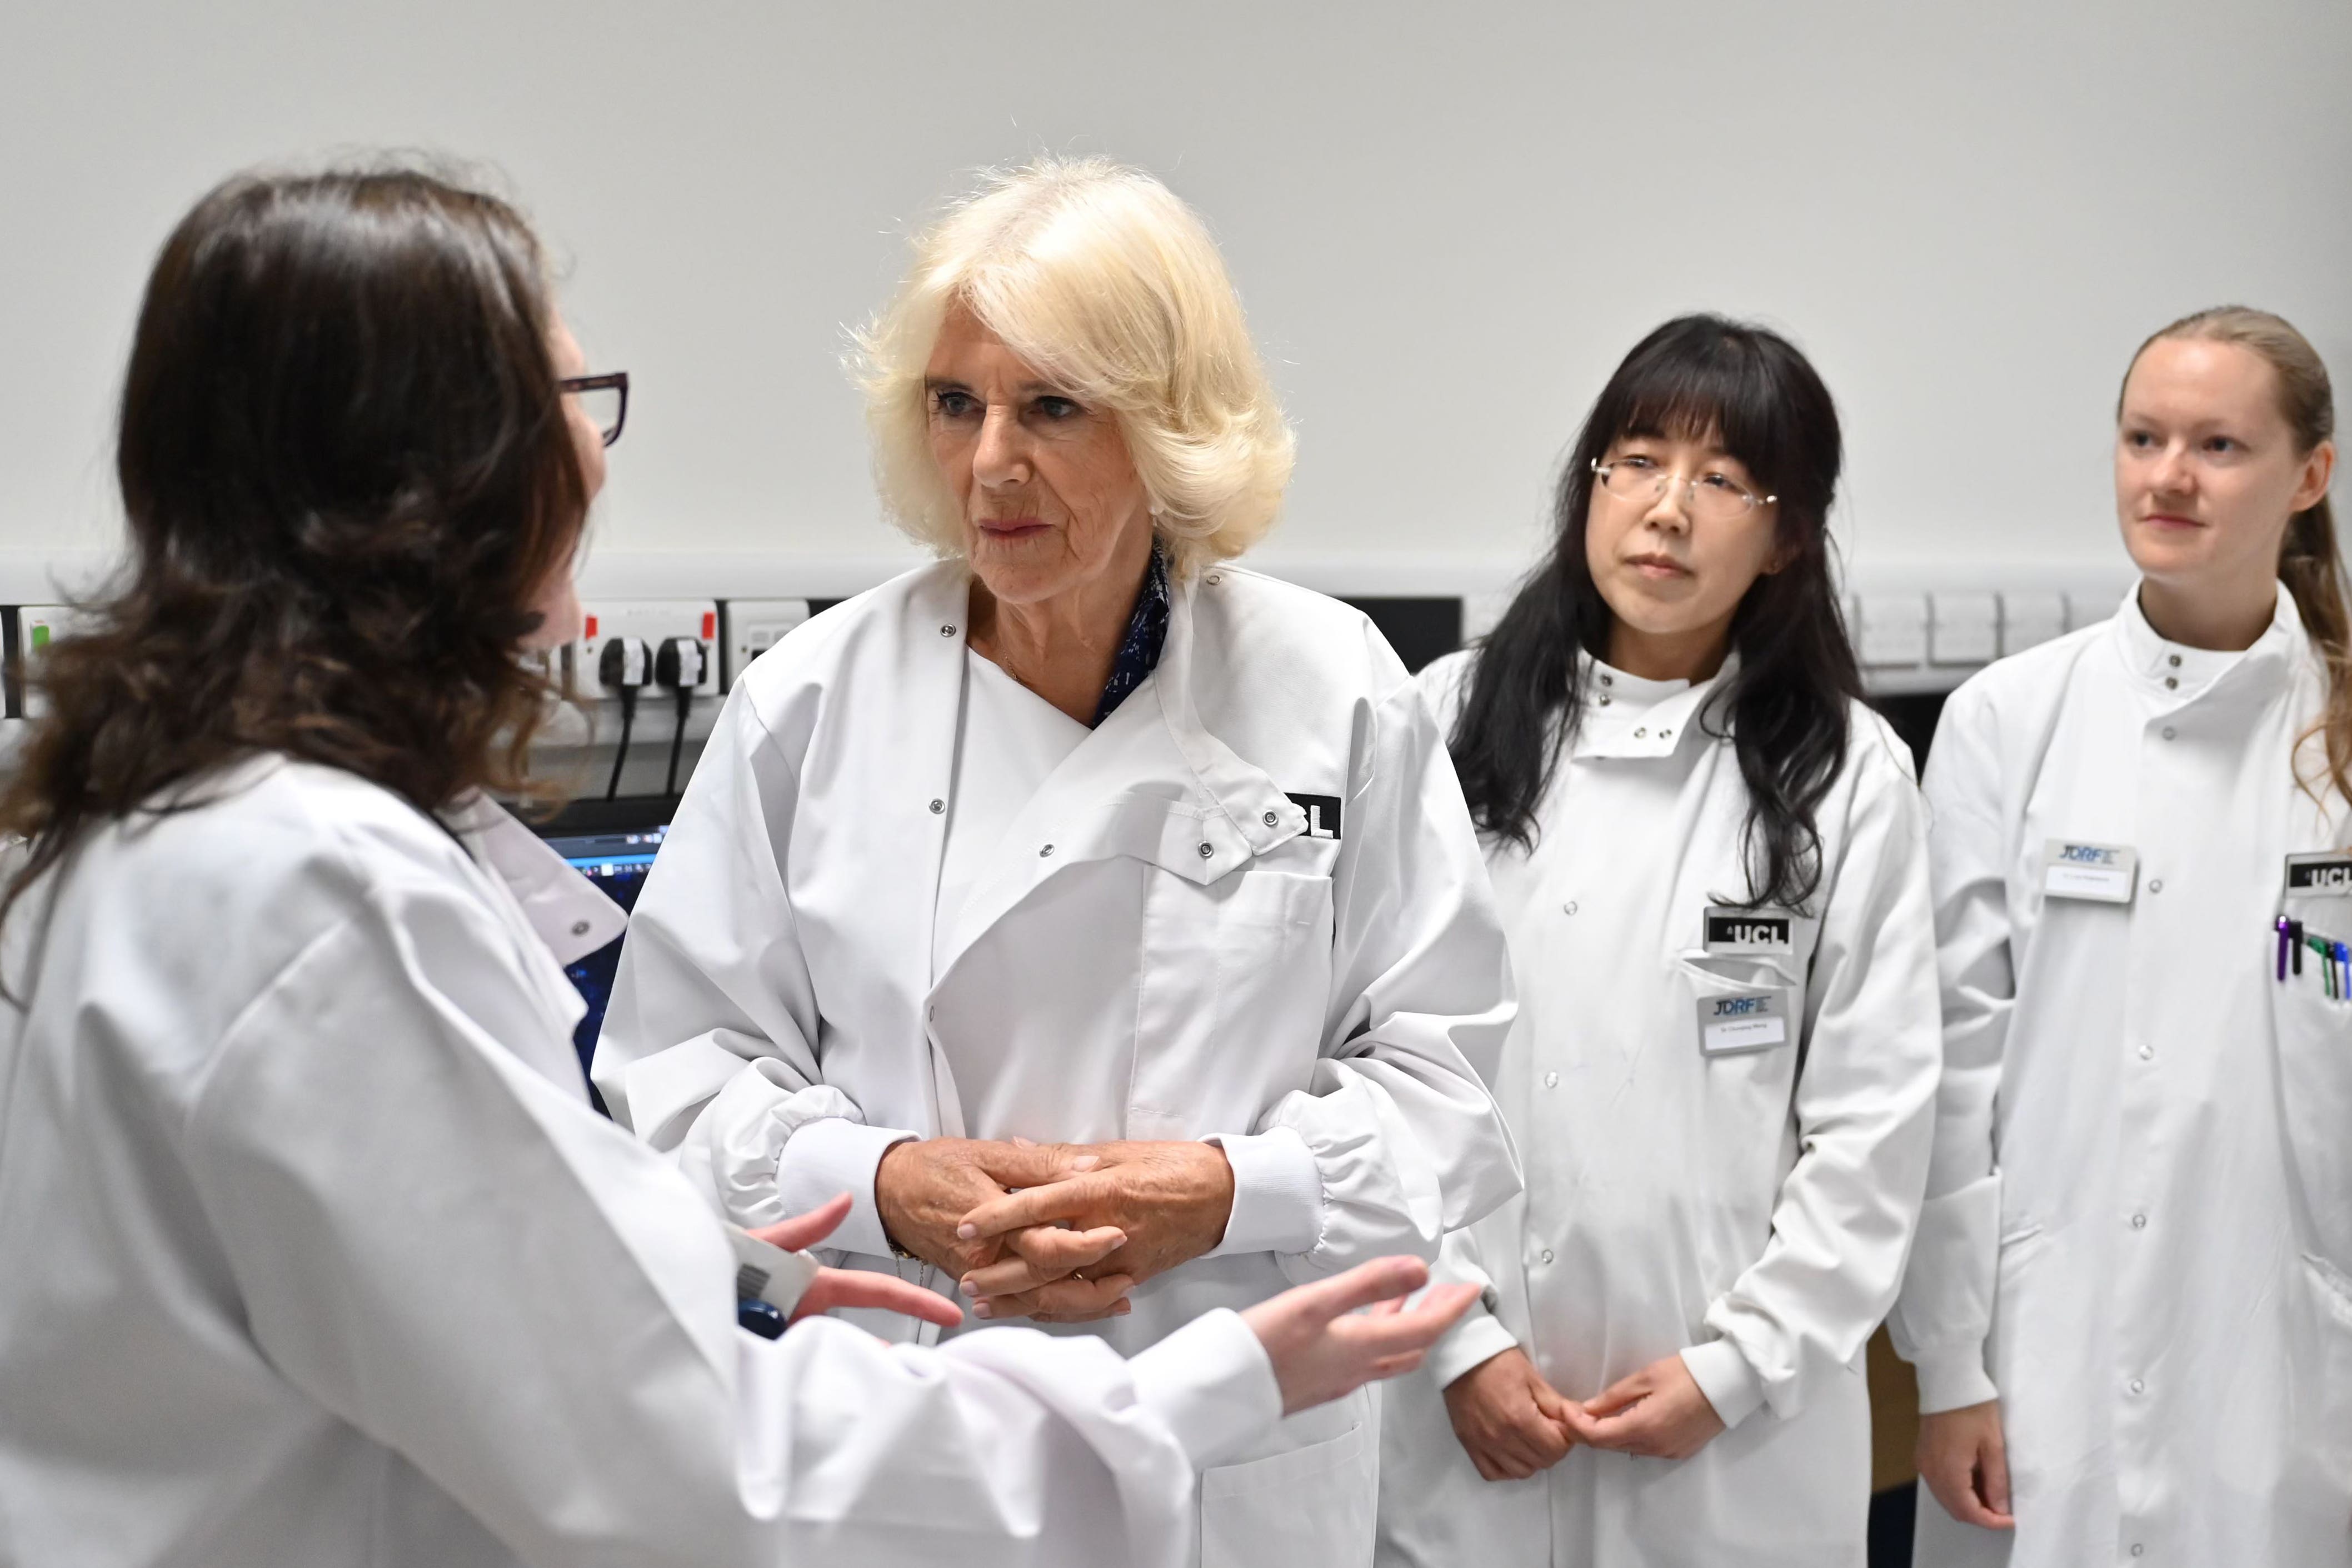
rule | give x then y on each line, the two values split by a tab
315	1251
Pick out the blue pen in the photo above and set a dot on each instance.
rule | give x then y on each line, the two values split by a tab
2343	972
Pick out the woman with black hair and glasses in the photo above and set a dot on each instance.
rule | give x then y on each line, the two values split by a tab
1711	864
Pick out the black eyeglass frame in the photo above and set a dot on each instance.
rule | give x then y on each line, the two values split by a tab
617	381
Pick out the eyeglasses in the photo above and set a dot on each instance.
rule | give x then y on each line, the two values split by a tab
1713	497
604	399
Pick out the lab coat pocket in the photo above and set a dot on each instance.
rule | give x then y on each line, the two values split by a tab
1312	1507
2314	1034
1236	974
1745	1006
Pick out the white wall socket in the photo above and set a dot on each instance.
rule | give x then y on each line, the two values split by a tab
655	621
754	626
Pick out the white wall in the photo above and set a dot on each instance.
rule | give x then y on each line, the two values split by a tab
1448	222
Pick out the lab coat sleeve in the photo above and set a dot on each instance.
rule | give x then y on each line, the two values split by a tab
1405	1142
707	1050
451	1254
1945	1315
1480	1336
1864	1108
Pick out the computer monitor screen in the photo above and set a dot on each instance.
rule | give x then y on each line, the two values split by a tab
617	862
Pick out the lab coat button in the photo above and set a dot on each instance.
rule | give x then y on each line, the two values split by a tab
1608	680
2137	1386
2148	1053
947	631
2172	683
2138	1549
2140	1221
2175	662
1545	1255
1551	1080
1042	854
1568	908
1269	819
1605	700
2169	732
1206	851
1642	734
2157	886
579	928
937	806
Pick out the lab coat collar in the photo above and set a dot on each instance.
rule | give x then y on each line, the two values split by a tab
1151	783
568	912
1643	718
2170	675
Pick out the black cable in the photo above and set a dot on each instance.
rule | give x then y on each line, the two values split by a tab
677	739
621	752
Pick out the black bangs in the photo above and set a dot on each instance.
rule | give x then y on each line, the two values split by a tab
1707	377
1787	707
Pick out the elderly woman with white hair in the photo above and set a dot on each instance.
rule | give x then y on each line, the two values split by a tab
1104	919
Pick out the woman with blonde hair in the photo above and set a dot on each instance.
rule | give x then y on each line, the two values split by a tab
1082	862
2130	1303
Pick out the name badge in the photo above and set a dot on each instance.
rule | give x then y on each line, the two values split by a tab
1744	1021
2325	873
1322	814
1730	930
2101	873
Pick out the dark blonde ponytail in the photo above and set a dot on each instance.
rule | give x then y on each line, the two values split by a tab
2311	564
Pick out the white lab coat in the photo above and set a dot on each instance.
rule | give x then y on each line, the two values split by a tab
1749	1210
1320	994
2140	1226
315	1253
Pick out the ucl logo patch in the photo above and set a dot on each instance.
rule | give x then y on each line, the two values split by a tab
1322	814
2319	873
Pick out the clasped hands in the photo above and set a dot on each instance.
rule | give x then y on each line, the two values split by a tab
1512	1423
1058	1233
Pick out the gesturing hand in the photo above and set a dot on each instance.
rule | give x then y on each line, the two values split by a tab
1659	1411
1962	1459
853	1286
1322	1346
924	1188
1508	1419
1169	1200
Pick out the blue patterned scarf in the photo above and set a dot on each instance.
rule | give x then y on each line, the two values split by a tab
1146	633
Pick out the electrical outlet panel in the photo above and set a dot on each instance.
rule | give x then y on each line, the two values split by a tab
38	625
1963	628
653	621
1894	628
754	626
2028	618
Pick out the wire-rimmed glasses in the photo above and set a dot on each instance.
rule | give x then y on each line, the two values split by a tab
1713	497
604	399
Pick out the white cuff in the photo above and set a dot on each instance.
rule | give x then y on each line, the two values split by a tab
1211	1383
1724	1375
1953	1380
1277	1194
1477	1339
827	1158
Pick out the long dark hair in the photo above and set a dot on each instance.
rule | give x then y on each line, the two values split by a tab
347	472
1787	705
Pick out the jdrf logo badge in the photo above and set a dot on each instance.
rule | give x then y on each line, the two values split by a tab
1746	1021
2101	873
